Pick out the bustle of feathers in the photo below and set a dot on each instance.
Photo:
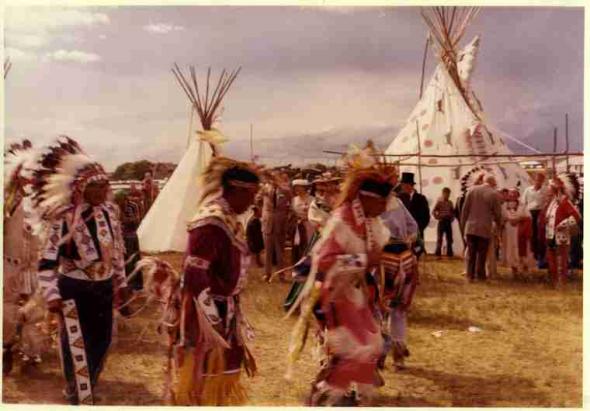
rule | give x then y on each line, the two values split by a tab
211	179
362	165
60	176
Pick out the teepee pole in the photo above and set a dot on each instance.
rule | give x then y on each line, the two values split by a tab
424	63
190	127
7	66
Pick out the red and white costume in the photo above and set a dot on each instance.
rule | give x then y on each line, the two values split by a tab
555	223
354	342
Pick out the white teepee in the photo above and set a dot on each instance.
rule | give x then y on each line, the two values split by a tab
164	228
449	120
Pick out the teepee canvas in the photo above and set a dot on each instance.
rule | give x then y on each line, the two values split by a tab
449	120
164	228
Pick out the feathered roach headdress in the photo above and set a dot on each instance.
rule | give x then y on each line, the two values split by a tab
60	177
223	171
570	184
367	170
16	158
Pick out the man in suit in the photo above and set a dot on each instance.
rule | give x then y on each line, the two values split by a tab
415	202
481	209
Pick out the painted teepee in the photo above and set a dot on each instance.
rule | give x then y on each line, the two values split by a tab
449	120
164	228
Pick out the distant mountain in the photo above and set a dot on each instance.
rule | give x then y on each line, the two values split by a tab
308	148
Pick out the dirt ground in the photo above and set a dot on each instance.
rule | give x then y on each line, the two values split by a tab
528	353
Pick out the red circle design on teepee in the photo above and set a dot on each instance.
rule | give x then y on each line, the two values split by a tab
437	180
433	161
427	143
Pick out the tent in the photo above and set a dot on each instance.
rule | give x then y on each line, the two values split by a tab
449	120
164	228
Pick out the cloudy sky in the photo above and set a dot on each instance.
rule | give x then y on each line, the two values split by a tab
312	78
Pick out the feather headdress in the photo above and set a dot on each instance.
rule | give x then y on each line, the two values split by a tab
570	184
362	165
471	178
17	158
60	176
213	176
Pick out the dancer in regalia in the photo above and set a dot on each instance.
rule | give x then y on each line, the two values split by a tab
81	271
211	348
559	217
20	257
400	275
337	289
20	245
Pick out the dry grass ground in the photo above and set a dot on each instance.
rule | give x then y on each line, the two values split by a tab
529	352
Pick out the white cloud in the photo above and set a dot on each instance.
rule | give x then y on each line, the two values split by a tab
19	55
339	9
75	56
29	41
40	19
162	28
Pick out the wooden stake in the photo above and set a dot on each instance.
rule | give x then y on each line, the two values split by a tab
419	157
567	145
251	143
554	150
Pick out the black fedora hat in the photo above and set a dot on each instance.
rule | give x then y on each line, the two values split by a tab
408	178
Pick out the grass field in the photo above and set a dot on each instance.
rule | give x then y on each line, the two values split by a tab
529	352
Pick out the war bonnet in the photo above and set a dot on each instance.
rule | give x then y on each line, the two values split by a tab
60	176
